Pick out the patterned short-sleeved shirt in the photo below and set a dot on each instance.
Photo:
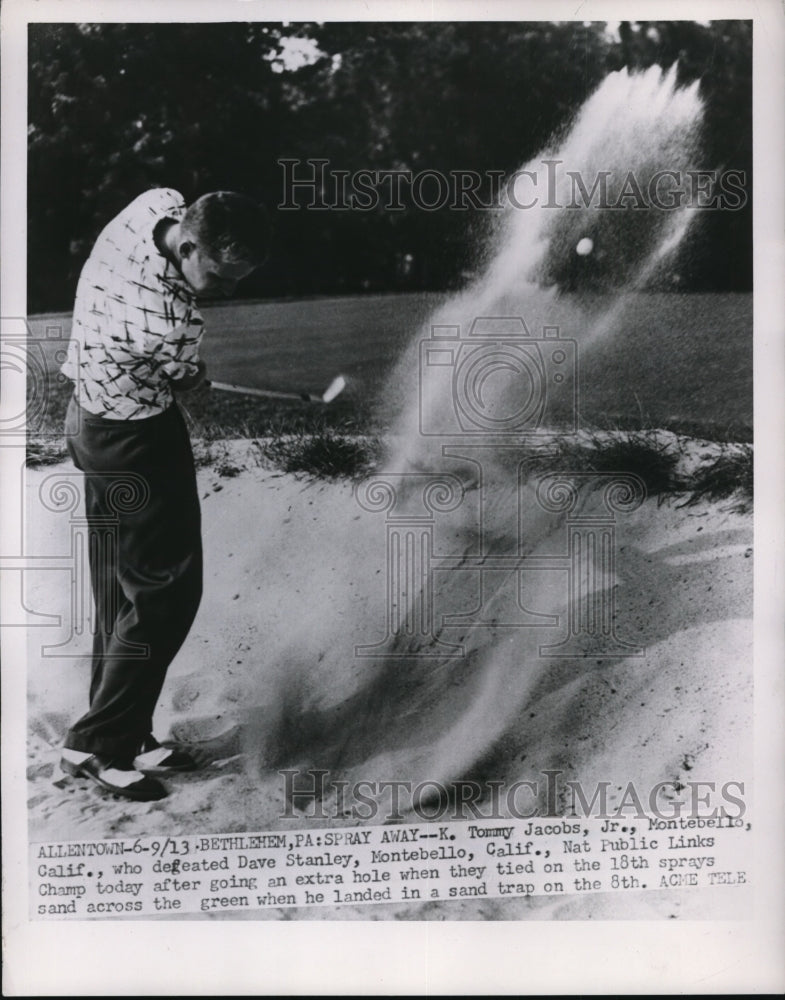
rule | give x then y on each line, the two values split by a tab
135	322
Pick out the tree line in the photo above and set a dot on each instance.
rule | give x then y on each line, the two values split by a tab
117	108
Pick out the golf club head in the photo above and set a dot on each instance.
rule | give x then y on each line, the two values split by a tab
337	386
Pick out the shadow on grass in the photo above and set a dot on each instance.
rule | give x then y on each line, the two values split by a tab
729	475
659	461
642	453
327	455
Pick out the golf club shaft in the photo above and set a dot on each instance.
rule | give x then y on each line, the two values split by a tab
266	393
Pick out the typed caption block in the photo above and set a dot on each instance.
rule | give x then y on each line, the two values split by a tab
169	876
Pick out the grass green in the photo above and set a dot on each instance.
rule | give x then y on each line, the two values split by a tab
684	365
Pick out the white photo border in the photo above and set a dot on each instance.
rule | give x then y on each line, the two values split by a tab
196	957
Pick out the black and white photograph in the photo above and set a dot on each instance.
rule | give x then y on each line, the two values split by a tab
392	493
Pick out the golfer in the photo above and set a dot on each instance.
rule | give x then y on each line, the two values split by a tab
134	343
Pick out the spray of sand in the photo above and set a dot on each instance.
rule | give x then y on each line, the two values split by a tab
632	140
435	718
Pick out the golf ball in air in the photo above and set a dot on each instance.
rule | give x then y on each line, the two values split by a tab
584	247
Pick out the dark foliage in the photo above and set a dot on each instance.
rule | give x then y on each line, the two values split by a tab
117	108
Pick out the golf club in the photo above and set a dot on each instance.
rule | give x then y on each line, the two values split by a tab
337	386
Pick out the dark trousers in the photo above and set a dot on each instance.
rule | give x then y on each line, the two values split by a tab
144	528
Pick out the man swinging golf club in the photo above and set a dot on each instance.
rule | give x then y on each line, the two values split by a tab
135	341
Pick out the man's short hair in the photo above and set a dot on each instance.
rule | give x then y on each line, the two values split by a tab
230	226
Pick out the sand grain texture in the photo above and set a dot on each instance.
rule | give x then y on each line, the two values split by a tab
294	580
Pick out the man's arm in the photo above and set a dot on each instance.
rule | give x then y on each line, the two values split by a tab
174	351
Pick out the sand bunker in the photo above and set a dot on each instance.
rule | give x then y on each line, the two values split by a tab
269	677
